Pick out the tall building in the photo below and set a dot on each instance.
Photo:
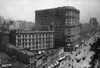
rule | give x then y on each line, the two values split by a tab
4	39
1	19
36	41
71	28
63	20
17	25
93	21
21	25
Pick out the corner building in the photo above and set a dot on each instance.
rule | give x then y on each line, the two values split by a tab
65	23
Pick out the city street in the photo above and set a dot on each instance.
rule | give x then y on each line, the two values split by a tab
81	57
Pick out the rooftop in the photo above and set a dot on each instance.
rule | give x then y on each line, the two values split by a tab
12	46
62	7
27	52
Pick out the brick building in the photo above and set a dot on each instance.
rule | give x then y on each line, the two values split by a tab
63	20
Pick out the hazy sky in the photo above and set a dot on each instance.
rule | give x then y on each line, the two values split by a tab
24	9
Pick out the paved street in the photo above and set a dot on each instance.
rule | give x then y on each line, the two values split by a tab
81	57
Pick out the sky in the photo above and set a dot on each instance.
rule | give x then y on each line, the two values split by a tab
25	9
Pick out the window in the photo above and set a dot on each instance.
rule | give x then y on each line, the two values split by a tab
43	47
68	29
25	40
39	43
36	35
36	47
19	44
43	39
46	35
29	35
40	47
69	33
29	40
68	20
25	36
39	39
36	43
36	40
19	35
33	47
25	44
32	35
19	40
43	35
43	43
69	65
68	39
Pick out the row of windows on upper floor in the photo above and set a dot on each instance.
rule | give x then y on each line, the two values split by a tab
42	47
72	17
72	13
72	20
37	35
72	38
36	47
36	43
71	33
35	40
50	15
69	22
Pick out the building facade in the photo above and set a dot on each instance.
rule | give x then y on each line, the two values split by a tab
94	22
33	40
4	39
17	25
71	28
50	58
63	20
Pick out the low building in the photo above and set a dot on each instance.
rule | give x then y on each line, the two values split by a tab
5	64
23	56
54	56
11	50
36	41
26	56
51	57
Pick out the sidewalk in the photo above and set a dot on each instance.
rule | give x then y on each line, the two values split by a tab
84	50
